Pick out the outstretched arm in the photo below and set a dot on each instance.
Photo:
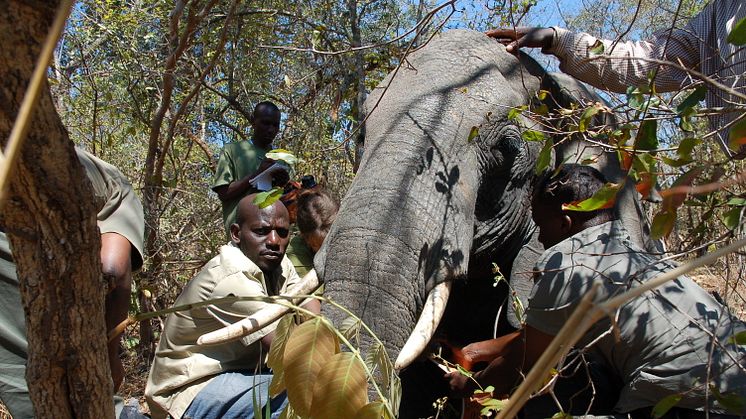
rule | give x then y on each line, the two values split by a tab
608	64
117	270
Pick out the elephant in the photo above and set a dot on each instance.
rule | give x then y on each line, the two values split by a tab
443	191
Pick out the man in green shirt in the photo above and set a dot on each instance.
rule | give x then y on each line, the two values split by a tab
242	162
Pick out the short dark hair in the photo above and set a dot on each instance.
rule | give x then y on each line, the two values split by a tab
316	211
571	183
265	104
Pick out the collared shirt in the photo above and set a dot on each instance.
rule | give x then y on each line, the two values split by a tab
699	44
182	368
670	339
237	161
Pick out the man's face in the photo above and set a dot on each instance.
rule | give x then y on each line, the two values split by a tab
263	234
551	222
266	125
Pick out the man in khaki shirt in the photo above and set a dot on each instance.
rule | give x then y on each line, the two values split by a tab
224	380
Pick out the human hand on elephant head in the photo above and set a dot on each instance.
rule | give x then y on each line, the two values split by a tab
516	38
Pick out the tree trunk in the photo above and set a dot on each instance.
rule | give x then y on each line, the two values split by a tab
358	112
50	219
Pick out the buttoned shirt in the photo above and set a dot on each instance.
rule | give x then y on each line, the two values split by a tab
676	339
181	368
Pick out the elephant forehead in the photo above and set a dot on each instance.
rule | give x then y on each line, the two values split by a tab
448	87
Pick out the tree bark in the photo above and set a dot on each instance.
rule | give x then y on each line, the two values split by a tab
50	219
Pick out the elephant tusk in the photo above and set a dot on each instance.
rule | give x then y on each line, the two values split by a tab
432	312
261	318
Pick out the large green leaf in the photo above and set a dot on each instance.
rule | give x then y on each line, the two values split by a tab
307	352
277	354
647	135
692	100
738	339
603	198
532	135
663	406
663	224
545	157
737	35
732	218
587	117
267	198
341	388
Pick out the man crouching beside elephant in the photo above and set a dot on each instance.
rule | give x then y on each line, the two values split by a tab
230	379
674	341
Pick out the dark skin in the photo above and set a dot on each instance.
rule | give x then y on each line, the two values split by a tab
266	124
516	38
513	355
263	235
116	266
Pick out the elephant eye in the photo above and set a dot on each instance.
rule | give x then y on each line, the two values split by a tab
507	144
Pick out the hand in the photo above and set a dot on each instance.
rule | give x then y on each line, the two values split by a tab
461	385
515	38
484	351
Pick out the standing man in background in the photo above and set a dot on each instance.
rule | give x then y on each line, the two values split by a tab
243	161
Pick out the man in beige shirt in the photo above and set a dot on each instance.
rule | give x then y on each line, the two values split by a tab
700	45
225	380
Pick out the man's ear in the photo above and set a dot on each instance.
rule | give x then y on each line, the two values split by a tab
235	237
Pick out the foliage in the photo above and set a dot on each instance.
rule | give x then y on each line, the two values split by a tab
322	380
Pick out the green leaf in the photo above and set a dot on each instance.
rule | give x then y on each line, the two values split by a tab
597	48
545	157
532	135
663	406
647	135
732	218
738	339
513	113
562	415
737	201
692	100
283	155
686	146
586	117
267	198
737	135
737	35
603	198
663	223
542	94
730	401
542	109
473	134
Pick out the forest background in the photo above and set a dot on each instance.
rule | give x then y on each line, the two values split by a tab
157	88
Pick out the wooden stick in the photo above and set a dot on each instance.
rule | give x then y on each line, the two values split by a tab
31	97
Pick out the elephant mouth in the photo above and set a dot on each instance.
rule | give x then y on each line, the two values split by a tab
429	319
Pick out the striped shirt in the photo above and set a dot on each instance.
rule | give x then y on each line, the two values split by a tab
699	45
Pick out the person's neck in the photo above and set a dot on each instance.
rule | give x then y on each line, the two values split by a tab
266	147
